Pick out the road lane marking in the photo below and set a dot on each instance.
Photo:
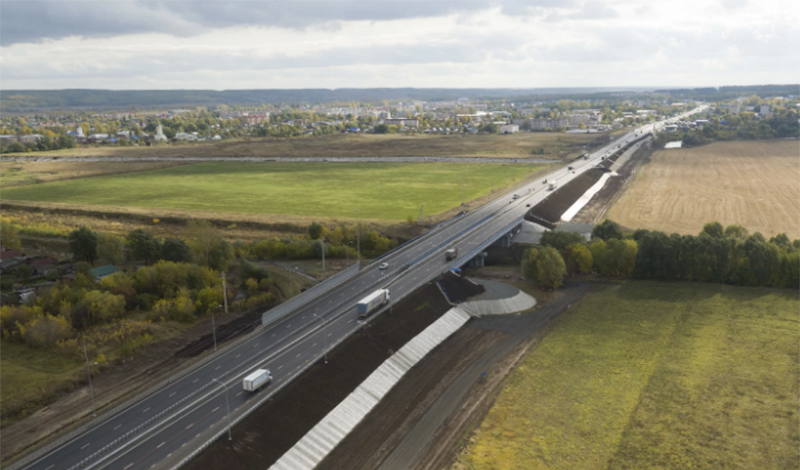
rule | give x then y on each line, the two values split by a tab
87	445
187	427
215	409
170	395
287	326
51	466
256	344
351	320
237	356
298	355
129	466
159	446
145	411
117	427
273	334
196	380
239	393
217	368
281	367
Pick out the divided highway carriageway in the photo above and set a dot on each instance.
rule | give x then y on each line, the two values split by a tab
165	427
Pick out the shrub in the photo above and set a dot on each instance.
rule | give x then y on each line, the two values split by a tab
45	331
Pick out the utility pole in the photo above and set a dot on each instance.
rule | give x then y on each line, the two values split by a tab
225	292
89	372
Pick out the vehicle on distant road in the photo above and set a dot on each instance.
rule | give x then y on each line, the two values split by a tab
452	253
569	168
553	185
383	266
256	380
516	196
369	303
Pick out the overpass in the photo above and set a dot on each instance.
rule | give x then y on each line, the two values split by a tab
176	419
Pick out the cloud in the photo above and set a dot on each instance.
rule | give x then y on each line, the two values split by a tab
37	20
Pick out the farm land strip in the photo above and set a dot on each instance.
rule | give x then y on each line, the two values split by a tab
381	191
750	183
519	145
653	375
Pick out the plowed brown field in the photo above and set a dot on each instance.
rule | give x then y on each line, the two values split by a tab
755	184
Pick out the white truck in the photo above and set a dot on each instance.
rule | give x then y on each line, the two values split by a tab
256	380
452	253
369	303
553	185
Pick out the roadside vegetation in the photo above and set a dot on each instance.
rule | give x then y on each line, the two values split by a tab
385	191
54	310
653	375
729	255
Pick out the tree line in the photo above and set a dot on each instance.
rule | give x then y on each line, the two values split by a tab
728	255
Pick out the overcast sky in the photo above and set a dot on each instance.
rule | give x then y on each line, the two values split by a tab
400	43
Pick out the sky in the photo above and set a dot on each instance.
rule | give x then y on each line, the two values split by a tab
226	45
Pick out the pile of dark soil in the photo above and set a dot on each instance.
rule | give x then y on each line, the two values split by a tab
457	289
264	436
563	198
242	325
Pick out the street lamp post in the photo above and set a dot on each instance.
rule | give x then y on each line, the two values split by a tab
214	326
224	292
89	372
324	336
323	252
227	407
358	239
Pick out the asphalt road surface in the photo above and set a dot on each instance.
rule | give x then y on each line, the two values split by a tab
180	417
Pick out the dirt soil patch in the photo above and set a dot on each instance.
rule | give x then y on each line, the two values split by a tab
595	211
304	402
380	432
551	208
457	289
750	183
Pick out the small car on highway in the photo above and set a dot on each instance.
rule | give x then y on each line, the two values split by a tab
383	266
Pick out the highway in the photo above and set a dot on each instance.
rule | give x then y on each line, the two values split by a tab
168	424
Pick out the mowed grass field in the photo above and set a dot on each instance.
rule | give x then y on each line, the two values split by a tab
751	183
380	191
654	375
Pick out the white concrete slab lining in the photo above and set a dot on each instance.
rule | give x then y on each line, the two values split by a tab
334	427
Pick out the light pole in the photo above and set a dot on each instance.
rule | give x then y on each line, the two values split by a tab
322	239
89	372
324	336
214	326
227	407
358	239
225	292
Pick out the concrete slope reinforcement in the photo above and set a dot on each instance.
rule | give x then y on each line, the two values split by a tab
328	433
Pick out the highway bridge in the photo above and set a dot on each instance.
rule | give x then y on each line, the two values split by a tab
165	427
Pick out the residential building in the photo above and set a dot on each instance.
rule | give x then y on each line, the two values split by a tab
509	129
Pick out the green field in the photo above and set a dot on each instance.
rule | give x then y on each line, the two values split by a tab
30	376
388	191
649	375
